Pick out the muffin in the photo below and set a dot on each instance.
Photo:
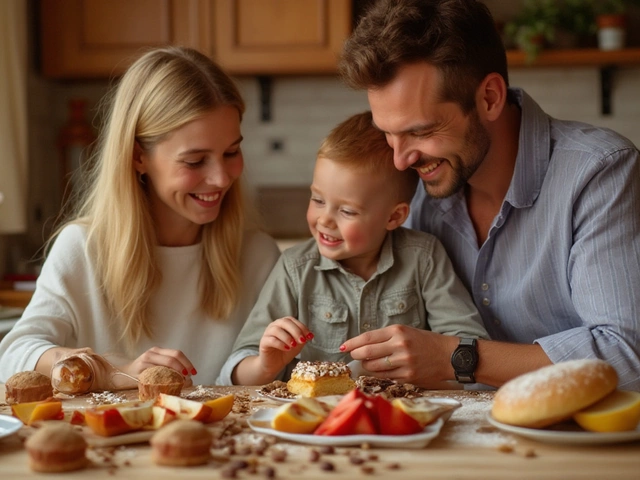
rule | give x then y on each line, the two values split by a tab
181	443
156	380
24	387
56	448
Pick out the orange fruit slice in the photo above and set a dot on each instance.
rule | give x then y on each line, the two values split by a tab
617	412
31	412
220	407
293	418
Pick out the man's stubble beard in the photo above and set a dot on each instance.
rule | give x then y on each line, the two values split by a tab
476	146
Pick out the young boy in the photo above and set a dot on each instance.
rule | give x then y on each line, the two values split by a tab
361	270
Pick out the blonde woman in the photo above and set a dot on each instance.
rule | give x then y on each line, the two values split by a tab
158	265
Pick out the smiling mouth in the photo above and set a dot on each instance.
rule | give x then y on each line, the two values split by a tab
329	238
430	168
206	198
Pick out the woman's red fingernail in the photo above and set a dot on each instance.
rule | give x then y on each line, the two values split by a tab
293	343
310	336
286	347
342	348
194	371
302	339
184	371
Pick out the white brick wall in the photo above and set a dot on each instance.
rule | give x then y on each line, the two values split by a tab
304	109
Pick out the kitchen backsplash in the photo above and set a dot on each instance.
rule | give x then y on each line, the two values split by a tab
281	152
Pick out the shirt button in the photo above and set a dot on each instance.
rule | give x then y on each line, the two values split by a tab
366	326
485	286
486	302
401	306
327	315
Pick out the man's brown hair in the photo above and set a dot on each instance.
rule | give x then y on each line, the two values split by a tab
459	37
357	144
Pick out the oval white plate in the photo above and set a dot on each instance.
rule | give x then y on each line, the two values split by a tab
259	421
9	425
275	399
566	437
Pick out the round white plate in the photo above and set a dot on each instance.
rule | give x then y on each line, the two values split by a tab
9	425
568	437
261	420
274	398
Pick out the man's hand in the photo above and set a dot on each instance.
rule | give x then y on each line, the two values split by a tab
405	354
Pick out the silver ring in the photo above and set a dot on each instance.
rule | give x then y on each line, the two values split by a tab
387	361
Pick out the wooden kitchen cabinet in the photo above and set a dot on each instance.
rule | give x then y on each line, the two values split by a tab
265	37
101	38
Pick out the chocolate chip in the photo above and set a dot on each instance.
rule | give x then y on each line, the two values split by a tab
314	456
327	466
367	469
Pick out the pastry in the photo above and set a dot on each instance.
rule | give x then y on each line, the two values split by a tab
315	379
56	448
156	380
31	386
72	375
181	443
554	393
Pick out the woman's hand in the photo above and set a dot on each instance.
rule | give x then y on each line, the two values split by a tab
282	340
165	357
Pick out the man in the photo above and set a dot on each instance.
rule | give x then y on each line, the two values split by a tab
540	217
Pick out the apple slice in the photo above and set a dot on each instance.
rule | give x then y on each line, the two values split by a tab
292	418
315	406
30	412
77	418
220	407
161	416
421	409
115	419
393	420
184	408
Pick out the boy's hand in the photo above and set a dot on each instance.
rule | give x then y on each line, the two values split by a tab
282	340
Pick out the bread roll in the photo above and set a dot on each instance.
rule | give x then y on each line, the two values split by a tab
551	394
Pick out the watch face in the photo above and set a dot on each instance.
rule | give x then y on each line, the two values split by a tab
465	360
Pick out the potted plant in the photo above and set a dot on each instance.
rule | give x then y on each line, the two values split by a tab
611	22
534	27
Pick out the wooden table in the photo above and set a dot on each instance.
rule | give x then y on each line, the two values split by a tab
467	448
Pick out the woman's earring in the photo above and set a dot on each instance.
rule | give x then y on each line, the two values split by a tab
142	179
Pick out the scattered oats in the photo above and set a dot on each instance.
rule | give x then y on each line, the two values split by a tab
105	398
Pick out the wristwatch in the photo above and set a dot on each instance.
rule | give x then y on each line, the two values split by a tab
464	360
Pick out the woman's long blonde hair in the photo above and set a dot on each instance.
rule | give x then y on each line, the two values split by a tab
160	92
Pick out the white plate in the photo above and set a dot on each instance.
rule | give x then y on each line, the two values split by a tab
566	435
9	425
261	422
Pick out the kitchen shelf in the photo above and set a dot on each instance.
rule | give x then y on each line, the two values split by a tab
581	57
606	61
